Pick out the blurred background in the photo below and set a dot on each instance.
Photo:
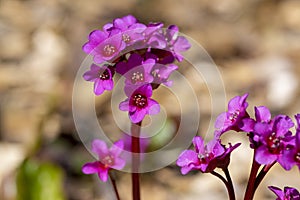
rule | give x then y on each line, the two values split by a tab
255	43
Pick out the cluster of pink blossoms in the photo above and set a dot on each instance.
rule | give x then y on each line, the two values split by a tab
143	54
271	138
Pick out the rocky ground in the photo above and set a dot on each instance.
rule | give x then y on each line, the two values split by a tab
255	45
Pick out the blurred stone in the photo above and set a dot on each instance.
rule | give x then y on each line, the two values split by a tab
14	45
282	83
11	156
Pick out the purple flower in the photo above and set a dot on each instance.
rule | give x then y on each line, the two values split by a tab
205	157
95	38
108	158
288	193
139	103
161	73
176	44
291	155
272	138
102	78
136	70
104	46
232	119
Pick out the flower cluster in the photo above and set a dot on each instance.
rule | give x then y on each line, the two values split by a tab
205	157
271	139
143	54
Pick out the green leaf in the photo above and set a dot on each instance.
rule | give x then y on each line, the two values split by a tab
39	181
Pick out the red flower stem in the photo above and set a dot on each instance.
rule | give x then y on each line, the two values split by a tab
230	187
113	181
230	194
135	149
262	174
249	194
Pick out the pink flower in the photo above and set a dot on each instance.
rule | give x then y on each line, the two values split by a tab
205	157
139	103
232	119
102	78
108	158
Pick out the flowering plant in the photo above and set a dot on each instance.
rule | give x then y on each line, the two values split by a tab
145	56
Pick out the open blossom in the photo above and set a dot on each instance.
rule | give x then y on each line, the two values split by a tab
104	46
139	102
205	157
232	119
291	155
108	158
272	138
102	78
136	70
161	73
288	193
175	43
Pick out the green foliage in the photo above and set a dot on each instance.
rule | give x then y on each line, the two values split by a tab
39	181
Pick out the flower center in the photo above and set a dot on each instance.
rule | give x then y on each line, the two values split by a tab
155	73
205	158
233	116
137	77
274	144
109	50
108	161
126	38
140	101
104	75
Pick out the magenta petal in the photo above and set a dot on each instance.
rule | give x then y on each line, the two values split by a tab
119	164
154	107
220	121
108	84
124	105
98	58
99	147
97	36
262	128
103	174
90	76
215	147
198	143
182	44
234	104
264	157
98	87
262	114
90	168
278	192
138	115
185	169
247	125
117	148
129	19
187	157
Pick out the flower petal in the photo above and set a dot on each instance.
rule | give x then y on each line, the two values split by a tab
117	148
119	164
98	87
90	168
138	115
99	147
187	157
262	114
264	157
154	107
103	174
